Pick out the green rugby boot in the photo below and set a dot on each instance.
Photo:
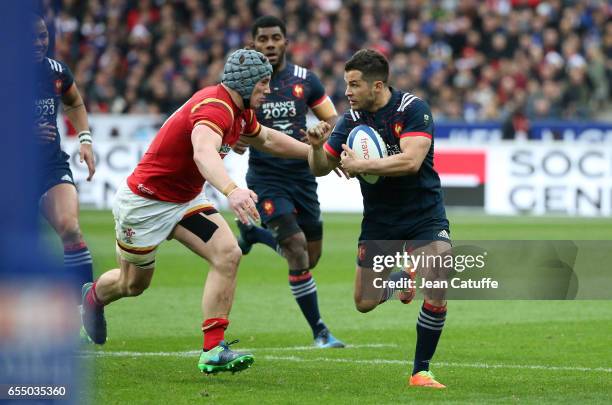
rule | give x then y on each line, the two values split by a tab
222	358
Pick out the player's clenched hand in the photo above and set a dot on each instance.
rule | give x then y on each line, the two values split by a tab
318	134
242	202
350	162
46	132
86	154
338	170
240	147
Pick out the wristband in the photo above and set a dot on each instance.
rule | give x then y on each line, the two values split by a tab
85	137
230	193
227	190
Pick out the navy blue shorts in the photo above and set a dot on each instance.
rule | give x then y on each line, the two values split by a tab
397	238
298	198
52	176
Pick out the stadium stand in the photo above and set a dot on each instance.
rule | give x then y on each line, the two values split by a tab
508	60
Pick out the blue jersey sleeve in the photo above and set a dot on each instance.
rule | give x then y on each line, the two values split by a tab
417	120
66	77
337	138
317	91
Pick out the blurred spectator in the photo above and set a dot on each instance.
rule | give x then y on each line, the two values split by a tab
509	60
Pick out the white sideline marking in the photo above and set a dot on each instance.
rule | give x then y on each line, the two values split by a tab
442	364
193	353
196	352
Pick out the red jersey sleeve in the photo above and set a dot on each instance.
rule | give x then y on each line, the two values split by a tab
252	126
214	113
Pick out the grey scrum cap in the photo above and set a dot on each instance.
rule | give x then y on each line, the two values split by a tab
243	69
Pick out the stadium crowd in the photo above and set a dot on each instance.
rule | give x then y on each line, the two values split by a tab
471	60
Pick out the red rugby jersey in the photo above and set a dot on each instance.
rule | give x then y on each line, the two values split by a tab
167	171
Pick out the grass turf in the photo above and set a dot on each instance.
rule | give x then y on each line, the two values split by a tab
505	351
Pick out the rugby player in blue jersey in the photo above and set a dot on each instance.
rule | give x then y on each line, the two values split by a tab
287	190
405	204
58	195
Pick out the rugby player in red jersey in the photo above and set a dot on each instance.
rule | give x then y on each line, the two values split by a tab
162	200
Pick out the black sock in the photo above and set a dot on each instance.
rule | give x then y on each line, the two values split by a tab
261	235
304	291
77	261
396	276
429	328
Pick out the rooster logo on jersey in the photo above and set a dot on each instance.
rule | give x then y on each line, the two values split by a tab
268	207
397	129
58	86
298	91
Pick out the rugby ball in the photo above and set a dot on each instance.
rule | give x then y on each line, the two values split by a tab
367	144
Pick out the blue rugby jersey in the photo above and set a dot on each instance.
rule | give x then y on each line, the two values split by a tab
404	199
293	91
53	79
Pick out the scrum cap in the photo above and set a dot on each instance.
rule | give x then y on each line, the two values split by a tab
243	69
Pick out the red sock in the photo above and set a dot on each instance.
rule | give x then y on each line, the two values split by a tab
91	297
70	247
433	308
214	330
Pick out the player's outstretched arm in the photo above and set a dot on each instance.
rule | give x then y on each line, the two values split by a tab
74	108
206	144
320	162
278	144
414	150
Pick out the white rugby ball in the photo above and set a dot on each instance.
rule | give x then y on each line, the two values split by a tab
367	144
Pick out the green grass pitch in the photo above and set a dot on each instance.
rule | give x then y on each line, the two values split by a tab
490	352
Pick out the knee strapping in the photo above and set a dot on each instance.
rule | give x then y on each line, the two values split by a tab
283	226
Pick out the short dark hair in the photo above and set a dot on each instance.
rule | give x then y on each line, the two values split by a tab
268	21
372	65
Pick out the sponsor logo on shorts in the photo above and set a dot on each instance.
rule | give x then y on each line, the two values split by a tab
66	177
443	234
128	233
268	207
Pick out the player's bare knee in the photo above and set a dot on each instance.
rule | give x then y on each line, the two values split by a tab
69	230
132	287
364	306
135	288
227	257
234	254
294	246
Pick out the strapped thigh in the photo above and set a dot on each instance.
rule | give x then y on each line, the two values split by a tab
200	226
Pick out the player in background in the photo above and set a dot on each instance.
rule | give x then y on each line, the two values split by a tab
287	190
406	204
162	200
59	202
